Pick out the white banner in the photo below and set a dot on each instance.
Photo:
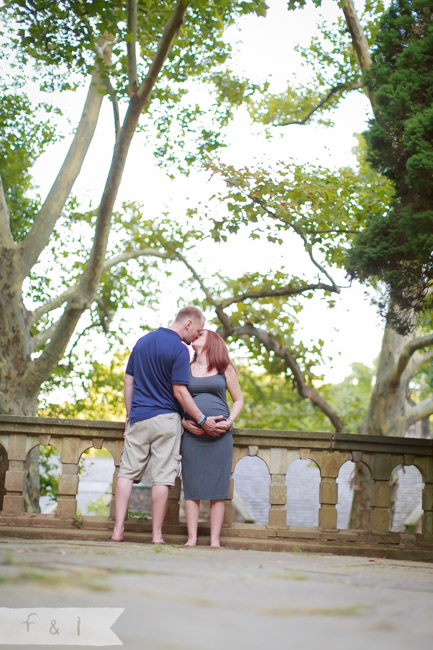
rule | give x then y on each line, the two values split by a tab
59	626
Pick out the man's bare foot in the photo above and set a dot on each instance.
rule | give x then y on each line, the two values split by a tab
215	545
191	542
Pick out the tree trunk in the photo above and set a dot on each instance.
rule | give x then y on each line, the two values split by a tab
387	416
389	409
362	485
14	360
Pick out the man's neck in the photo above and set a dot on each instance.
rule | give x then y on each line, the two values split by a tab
174	328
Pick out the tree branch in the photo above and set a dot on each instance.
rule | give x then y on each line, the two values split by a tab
419	360
333	91
199	280
335	230
134	254
359	41
171	29
52	304
131	11
42	337
36	240
420	411
299	232
5	224
115	105
42	367
405	356
109	264
286	291
92	273
305	392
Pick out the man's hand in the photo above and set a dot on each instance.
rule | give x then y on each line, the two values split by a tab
192	427
214	425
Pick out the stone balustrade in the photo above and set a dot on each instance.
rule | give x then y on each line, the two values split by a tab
278	449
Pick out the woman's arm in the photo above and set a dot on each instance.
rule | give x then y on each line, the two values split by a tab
235	393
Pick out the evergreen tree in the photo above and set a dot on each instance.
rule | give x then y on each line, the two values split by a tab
397	247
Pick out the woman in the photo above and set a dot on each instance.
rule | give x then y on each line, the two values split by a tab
206	459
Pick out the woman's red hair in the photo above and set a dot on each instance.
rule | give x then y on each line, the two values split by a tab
216	352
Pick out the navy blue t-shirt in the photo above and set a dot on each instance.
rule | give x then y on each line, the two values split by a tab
159	360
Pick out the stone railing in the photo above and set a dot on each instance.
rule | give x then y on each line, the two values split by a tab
278	449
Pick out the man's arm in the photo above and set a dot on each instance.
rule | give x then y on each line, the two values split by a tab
128	385
211	425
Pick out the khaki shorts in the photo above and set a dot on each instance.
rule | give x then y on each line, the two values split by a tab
157	438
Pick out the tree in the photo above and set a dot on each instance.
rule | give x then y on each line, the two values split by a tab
65	43
397	248
178	41
401	126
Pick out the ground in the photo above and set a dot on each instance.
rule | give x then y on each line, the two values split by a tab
177	598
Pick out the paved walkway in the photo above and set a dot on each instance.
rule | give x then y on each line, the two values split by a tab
177	598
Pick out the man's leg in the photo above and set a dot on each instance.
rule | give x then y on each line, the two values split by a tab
192	509
159	508
216	521
122	496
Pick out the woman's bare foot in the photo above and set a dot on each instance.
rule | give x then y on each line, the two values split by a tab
215	544
117	535
191	542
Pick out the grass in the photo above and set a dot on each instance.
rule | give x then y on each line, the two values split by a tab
292	575
289	610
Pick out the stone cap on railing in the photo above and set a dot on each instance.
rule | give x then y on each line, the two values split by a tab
278	449
331	441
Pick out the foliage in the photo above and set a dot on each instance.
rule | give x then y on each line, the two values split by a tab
103	388
135	282
49	471
60	40
49	48
302	211
397	246
78	520
271	402
330	66
22	141
98	508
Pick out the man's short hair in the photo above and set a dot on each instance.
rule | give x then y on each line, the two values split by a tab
193	313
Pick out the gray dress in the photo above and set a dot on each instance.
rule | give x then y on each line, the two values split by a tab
207	461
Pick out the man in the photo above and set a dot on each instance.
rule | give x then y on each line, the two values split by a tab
156	393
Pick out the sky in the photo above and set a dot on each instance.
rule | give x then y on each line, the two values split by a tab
263	52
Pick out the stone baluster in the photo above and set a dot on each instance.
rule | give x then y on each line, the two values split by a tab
278	488
328	491
115	447
228	511
427	498
68	481
427	504
381	494
68	489
14	478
